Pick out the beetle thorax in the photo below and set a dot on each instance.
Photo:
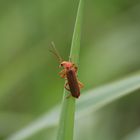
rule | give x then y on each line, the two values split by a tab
66	64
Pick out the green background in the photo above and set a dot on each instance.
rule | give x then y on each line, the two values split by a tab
29	81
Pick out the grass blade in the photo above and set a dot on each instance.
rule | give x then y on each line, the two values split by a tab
75	46
97	98
66	124
90	101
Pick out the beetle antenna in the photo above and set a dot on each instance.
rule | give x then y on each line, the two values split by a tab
54	51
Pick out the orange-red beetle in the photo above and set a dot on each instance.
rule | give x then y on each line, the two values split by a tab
69	73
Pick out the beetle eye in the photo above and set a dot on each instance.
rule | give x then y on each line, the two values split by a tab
61	65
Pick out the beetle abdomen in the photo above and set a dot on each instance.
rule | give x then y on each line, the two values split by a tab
73	83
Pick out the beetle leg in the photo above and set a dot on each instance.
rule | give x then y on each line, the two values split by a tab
62	74
76	69
66	86
81	85
68	96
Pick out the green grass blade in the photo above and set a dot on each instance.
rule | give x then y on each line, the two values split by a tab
101	96
89	102
75	46
66	124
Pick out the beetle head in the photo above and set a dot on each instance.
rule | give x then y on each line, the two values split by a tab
66	64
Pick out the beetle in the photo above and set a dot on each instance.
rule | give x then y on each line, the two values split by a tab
69	73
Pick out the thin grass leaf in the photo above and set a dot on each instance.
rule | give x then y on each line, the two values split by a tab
89	102
66	123
95	99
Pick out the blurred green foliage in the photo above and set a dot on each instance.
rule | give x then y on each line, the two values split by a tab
29	81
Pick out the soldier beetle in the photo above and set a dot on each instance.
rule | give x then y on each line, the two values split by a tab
69	73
